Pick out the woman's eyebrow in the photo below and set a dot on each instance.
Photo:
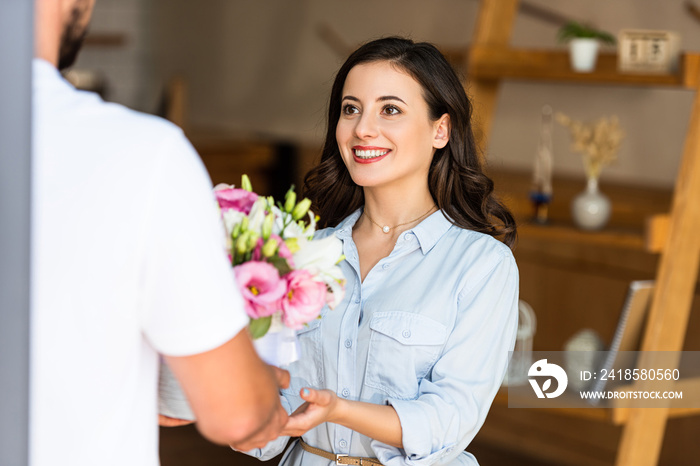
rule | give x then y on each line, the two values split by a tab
390	97
379	99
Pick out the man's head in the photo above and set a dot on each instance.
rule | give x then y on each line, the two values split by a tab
61	26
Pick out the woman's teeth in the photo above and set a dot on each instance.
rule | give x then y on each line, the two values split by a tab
370	154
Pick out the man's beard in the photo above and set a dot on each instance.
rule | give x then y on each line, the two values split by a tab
72	39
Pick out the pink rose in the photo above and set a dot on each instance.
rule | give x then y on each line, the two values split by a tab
261	287
304	299
237	199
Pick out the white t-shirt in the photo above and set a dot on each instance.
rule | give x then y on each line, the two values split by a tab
127	262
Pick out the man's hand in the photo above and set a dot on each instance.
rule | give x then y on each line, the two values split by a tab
321	406
282	376
233	394
165	421
269	432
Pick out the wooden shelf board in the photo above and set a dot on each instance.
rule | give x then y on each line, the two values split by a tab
106	39
585	412
618	413
626	239
492	63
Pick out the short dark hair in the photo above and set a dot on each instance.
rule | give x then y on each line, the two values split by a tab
456	179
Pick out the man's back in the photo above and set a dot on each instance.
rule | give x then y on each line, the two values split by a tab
128	263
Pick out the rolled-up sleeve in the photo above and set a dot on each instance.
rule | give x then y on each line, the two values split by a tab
454	399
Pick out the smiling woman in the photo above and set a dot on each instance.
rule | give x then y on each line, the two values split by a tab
384	117
413	85
404	370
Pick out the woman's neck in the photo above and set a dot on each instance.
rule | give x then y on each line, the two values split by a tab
390	207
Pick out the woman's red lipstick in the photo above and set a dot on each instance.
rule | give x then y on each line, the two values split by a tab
366	149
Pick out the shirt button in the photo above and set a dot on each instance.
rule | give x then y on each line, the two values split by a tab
385	266
343	444
348	343
357	300
407	237
346	392
406	334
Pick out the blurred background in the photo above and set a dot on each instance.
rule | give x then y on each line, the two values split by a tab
262	71
248	81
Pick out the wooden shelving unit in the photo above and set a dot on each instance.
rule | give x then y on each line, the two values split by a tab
491	60
612	238
496	63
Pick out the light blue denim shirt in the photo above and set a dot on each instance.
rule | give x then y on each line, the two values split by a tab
427	332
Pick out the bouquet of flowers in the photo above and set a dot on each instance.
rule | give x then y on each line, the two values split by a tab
284	275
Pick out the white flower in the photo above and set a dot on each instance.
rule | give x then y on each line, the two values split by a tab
293	229
321	257
256	217
319	254
232	218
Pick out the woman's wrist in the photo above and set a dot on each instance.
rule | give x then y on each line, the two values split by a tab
338	413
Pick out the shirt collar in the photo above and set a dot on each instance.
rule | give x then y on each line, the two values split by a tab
428	232
344	229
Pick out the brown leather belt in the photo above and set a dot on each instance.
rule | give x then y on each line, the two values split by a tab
340	458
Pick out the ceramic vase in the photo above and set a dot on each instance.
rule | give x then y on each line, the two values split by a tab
583	53
591	209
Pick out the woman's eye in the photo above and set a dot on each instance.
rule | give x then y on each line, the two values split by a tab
350	109
391	110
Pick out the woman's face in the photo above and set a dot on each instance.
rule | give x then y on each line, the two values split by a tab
384	133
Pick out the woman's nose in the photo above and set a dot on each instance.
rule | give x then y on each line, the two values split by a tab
366	127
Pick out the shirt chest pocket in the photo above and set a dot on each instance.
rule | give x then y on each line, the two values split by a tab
403	348
307	370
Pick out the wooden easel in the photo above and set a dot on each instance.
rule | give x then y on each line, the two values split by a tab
491	59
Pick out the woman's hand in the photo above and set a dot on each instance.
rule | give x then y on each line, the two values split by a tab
321	406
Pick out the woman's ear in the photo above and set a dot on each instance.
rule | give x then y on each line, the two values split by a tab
442	132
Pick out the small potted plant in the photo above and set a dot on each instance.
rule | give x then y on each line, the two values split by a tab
584	41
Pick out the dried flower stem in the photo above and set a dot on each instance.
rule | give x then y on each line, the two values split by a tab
598	142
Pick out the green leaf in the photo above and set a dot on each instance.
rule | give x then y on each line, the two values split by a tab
259	327
572	30
280	264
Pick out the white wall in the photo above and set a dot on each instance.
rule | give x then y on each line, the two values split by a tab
128	68
262	67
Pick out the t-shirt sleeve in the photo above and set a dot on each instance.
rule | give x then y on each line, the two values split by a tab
191	301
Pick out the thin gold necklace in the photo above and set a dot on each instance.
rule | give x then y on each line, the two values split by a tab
387	228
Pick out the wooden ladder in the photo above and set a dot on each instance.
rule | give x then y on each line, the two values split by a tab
491	59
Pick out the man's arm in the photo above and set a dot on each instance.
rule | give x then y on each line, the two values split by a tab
233	394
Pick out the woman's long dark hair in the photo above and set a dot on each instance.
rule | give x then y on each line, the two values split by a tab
456	179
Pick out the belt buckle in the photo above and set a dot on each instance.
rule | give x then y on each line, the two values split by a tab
338	456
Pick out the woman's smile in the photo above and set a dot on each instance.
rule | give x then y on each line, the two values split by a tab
369	154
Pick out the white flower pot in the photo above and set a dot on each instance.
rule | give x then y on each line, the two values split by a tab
583	54
591	209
